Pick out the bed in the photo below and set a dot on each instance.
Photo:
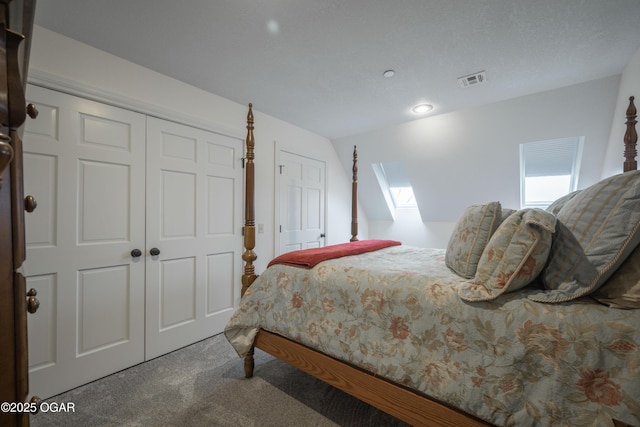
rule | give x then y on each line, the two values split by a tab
528	317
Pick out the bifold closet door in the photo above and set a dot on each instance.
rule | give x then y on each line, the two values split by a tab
84	164
194	233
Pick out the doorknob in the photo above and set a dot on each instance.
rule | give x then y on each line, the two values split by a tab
154	251
30	204
136	253
32	111
35	403
32	302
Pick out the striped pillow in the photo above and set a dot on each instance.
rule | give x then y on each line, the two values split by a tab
555	207
596	231
622	290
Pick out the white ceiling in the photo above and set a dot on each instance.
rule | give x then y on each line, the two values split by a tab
318	63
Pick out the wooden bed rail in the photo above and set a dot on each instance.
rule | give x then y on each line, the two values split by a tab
630	138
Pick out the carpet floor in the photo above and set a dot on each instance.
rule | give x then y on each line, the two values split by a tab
204	385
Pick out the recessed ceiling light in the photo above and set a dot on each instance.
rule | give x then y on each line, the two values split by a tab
422	108
389	73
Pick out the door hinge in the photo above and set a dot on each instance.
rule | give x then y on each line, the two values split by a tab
281	167
281	229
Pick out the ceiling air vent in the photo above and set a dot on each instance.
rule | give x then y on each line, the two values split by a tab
473	79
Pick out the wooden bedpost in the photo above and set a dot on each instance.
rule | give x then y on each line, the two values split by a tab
249	208
354	198
249	255
630	138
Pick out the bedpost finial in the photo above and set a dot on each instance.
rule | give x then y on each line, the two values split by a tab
355	164
630	138
250	113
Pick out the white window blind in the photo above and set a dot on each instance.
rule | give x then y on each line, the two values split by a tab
395	174
394	180
550	158
548	170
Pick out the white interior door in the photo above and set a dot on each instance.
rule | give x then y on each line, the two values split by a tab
302	195
84	164
194	215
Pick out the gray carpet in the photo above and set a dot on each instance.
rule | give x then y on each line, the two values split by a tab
204	385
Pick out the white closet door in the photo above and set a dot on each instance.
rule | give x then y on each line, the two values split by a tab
194	221
302	195
84	164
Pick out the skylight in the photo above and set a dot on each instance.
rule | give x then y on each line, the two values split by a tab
395	184
548	170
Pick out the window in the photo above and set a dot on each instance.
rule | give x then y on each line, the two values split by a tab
395	184
548	170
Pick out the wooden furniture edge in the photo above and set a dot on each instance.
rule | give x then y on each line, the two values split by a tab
630	138
354	197
249	230
403	403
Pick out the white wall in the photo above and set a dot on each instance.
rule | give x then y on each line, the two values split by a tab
472	156
629	86
410	230
435	149
64	64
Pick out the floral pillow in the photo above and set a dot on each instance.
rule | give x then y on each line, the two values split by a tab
514	256
470	235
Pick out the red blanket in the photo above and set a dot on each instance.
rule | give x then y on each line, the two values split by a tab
308	258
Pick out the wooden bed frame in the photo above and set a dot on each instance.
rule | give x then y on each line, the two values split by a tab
405	404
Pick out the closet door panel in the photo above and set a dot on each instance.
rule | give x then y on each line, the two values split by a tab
194	190
177	293
42	185
220	271
103	299
103	216
84	164
220	218
178	205
42	348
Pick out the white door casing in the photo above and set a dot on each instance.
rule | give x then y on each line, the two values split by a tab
302	199
84	164
194	211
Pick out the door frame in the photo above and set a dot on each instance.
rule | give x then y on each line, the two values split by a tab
278	149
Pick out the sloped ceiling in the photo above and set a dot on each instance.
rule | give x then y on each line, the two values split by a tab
318	64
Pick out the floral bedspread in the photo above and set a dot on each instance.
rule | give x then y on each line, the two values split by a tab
511	361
